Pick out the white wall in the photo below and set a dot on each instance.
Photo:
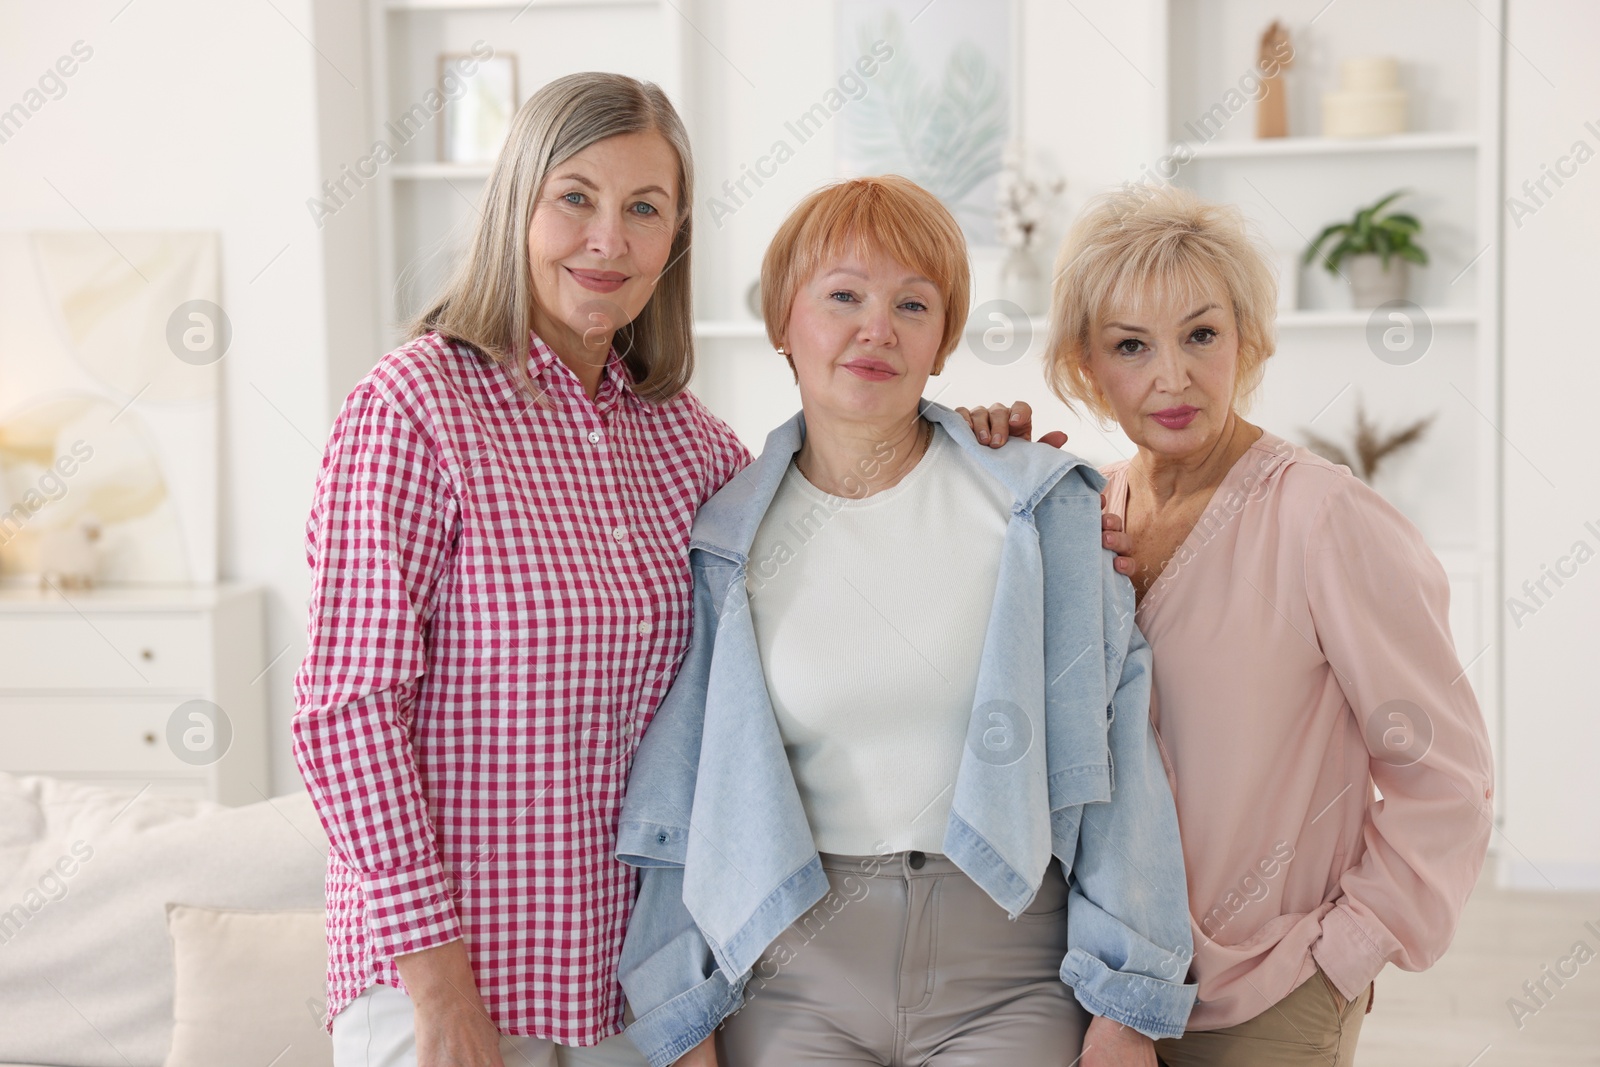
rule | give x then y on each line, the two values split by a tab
198	115
344	136
1552	495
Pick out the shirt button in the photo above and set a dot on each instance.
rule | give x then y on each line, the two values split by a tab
645	628
594	437
619	534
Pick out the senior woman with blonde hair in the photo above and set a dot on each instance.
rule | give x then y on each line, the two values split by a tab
903	804
1303	659
501	598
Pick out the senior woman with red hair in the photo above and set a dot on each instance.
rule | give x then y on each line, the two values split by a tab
903	804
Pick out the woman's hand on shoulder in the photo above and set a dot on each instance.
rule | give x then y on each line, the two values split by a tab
1110	1044
994	424
1114	537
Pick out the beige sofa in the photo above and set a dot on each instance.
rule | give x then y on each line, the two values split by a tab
139	931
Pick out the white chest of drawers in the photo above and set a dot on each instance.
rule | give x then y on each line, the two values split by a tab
154	688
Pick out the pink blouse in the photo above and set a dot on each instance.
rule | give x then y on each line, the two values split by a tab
1302	658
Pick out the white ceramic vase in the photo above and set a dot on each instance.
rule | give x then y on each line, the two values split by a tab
1370	284
1023	282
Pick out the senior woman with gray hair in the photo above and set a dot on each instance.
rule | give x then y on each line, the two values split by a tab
903	804
1302	653
500	600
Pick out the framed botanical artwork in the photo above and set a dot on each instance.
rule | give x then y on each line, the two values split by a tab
926	91
480	99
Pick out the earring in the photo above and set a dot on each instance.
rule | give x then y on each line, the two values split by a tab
781	352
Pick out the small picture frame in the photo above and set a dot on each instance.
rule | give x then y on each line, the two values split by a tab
480	99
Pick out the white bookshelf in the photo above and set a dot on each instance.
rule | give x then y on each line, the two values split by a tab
506	5
426	207
423	172
1451	60
1323	146
1340	318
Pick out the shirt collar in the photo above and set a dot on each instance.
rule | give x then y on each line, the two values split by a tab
547	371
727	523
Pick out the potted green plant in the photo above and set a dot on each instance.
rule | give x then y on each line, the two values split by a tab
1373	249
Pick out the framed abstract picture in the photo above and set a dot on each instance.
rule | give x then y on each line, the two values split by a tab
109	405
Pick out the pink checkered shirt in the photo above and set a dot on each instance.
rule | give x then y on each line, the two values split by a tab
500	599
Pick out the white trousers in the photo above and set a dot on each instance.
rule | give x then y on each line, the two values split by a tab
378	1029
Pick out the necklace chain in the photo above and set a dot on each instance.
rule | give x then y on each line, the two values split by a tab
925	433
924	439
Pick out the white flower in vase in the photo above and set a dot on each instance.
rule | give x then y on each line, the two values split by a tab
1025	201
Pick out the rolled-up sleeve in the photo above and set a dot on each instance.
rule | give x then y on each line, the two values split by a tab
379	539
1380	603
1129	939
672	981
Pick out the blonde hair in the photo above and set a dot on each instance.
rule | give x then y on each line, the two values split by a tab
891	215
1138	246
488	301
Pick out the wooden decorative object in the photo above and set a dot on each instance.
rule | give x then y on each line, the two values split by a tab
1369	445
1274	57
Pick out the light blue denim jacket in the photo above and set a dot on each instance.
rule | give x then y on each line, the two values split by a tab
1060	759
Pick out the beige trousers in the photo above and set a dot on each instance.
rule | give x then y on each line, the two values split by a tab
1311	1027
907	961
377	1029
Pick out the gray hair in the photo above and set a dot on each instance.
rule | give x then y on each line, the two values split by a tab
488	300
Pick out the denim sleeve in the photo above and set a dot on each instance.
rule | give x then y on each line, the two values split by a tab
668	973
653	827
1129	942
678	995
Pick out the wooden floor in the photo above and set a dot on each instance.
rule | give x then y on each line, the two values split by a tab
1456	1013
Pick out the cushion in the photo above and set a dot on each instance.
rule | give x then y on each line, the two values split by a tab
86	872
249	988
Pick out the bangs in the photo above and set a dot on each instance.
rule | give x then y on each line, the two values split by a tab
1164	274
1136	249
863	226
890	216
